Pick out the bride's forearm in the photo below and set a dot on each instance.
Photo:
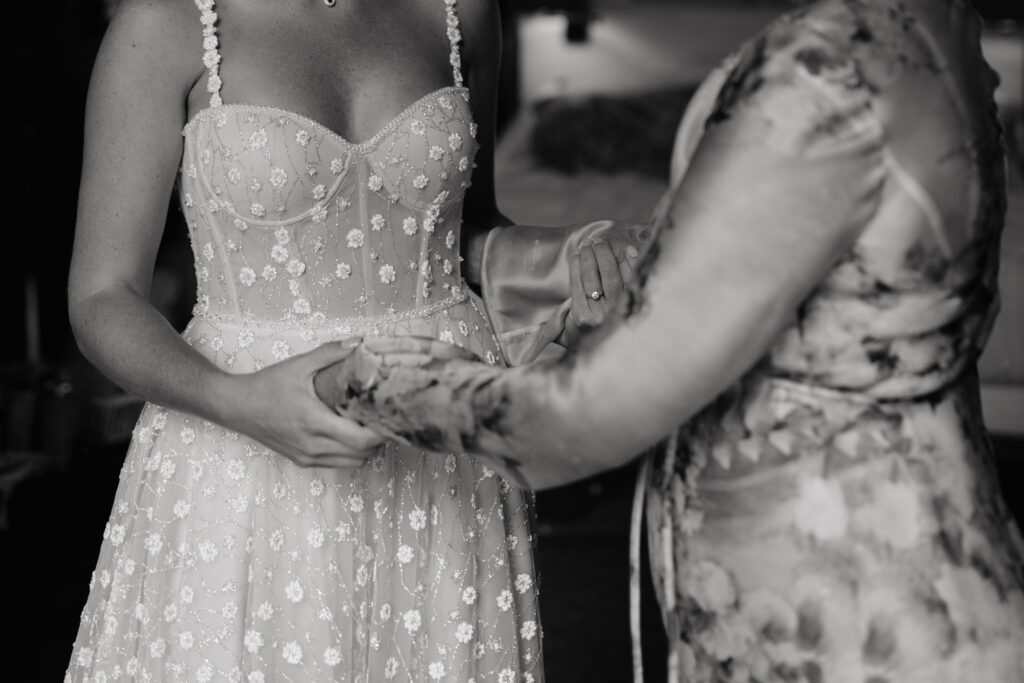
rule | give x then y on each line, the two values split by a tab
136	348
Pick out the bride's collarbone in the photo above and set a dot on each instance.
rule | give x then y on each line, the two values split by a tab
349	78
351	32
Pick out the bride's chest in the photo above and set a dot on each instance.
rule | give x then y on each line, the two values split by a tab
266	165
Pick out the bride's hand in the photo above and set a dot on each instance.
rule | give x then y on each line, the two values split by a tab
278	407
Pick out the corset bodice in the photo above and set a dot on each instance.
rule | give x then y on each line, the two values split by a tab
291	222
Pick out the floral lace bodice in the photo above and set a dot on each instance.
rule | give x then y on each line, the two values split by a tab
290	222
223	560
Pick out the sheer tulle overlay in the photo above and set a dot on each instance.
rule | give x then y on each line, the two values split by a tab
223	560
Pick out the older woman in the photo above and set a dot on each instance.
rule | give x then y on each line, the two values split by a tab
824	269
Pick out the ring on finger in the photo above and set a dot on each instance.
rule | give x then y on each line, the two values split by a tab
596	295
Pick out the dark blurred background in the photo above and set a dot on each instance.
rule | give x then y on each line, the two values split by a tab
620	70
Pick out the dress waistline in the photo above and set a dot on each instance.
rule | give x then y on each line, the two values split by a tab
319	322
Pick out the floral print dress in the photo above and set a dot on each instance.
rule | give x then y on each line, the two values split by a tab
834	517
223	561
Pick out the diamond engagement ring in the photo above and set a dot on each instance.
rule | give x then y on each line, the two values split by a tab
596	294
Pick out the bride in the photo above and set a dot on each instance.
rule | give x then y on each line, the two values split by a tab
255	535
821	284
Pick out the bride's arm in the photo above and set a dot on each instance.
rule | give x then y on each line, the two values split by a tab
148	63
136	106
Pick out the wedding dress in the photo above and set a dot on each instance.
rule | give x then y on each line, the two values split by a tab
225	561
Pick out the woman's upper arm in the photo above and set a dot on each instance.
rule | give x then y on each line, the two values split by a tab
699	108
136	108
786	175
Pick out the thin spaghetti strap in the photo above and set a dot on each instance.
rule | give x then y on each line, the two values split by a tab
211	55
454	37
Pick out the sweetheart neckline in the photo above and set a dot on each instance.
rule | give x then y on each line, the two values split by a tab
327	130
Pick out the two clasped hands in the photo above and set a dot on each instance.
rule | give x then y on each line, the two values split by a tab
295	423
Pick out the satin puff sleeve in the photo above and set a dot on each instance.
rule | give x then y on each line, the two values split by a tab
787	171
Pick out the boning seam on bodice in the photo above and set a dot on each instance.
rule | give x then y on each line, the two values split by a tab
218	241
423	257
369	273
221	241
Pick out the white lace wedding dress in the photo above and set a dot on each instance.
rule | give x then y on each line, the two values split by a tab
223	560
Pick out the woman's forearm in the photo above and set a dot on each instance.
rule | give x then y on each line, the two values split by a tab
133	345
473	256
473	240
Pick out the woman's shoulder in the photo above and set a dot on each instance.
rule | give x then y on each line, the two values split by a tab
799	83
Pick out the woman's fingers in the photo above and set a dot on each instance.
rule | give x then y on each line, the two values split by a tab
402	346
626	271
581	312
591	274
329	353
608	268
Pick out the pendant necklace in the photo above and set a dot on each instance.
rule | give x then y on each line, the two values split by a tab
330	3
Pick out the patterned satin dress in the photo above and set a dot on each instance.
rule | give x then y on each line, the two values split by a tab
835	517
223	561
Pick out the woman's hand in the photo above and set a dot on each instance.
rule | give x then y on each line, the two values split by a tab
361	369
278	407
598	274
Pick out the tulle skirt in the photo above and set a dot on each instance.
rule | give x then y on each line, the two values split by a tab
224	561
